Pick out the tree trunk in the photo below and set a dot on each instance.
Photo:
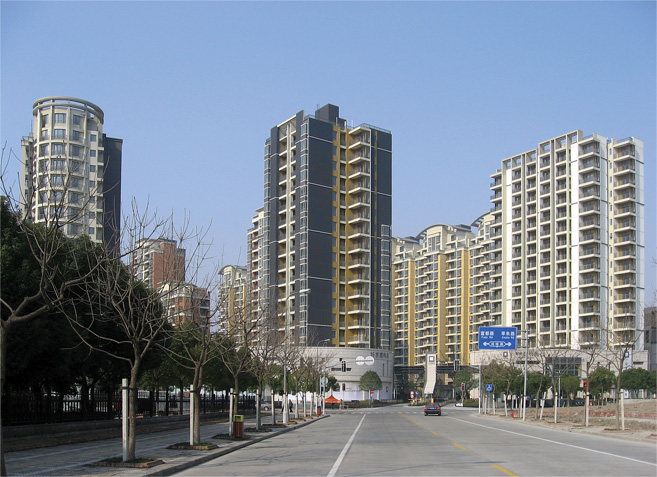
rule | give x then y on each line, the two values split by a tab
132	411
196	417
258	397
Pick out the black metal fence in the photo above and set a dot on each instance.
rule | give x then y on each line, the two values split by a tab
41	408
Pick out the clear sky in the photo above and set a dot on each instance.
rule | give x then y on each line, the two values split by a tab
193	90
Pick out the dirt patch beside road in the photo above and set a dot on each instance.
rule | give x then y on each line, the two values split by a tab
640	419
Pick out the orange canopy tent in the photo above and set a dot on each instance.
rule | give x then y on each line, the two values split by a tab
332	400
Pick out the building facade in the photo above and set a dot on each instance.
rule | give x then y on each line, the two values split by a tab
72	171
325	251
157	261
431	276
233	301
568	250
185	303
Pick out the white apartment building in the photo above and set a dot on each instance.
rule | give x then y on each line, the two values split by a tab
567	247
71	170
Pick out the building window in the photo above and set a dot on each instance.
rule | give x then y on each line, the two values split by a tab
76	151
43	150
44	120
59	134
92	168
58	149
77	120
58	164
75	135
92	153
60	118
93	138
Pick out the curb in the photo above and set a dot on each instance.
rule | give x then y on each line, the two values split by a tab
221	452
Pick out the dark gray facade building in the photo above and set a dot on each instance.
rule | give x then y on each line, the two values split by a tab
326	229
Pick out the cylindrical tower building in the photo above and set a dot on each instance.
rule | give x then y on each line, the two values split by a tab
71	171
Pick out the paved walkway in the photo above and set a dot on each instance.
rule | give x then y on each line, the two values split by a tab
77	459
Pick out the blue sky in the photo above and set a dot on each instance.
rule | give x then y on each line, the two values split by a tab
194	88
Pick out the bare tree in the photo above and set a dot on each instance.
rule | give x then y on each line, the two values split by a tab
119	297
620	345
236	348
264	352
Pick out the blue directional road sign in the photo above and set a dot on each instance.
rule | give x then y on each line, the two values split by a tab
497	337
489	388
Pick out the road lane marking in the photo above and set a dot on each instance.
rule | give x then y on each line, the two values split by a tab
504	470
459	446
420	425
336	466
556	442
416	423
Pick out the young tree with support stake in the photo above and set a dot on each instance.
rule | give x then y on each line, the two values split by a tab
118	297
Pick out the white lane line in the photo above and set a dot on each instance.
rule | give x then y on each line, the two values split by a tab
557	442
336	466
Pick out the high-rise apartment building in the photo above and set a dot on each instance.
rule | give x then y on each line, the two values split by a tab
233	301
325	250
160	263
560	255
567	252
431	295
157	261
72	170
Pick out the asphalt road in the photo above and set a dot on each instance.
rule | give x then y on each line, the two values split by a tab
401	441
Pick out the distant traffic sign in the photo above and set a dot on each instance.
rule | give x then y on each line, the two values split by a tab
489	388
497	337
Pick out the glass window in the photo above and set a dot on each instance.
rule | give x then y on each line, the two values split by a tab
92	138
58	149
60	118
59	133
77	120
58	164
43	150
92	153
92	168
44	120
76	134
76	151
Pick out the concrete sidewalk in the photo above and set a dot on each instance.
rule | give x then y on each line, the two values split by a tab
77	459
